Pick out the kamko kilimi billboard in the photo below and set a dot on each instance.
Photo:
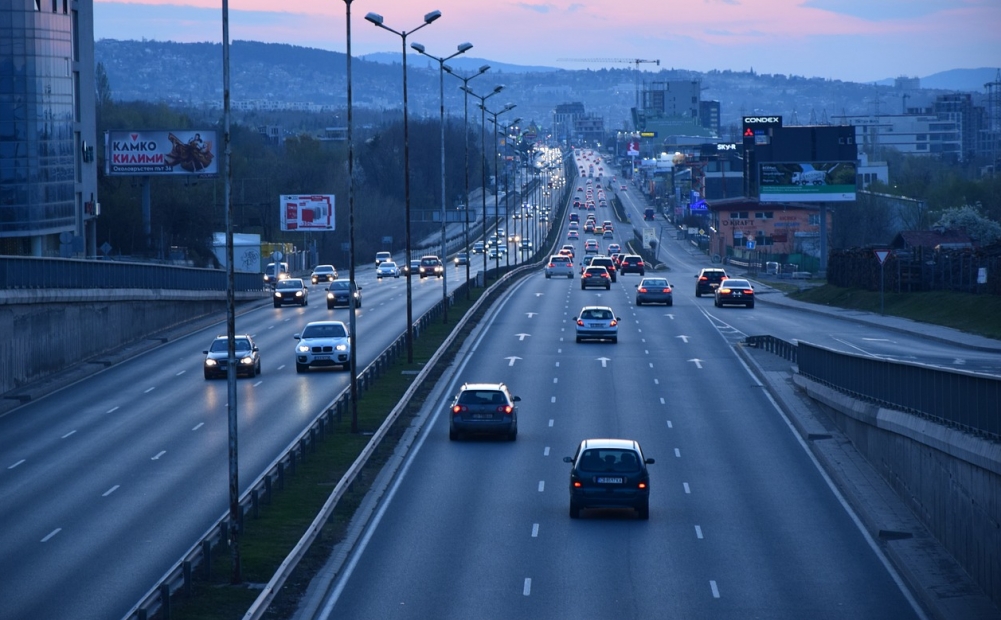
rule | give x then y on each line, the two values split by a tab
148	153
807	182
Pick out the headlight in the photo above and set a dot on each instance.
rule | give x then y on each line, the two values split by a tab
298	293
278	295
247	360
302	348
211	362
341	347
330	295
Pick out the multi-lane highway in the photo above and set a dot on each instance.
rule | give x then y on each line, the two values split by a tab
106	483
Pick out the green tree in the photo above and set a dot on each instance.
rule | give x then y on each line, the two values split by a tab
970	219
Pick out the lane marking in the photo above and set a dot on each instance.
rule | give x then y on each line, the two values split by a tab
52	533
556	380
698	532
198	426
157	457
512	359
282	366
258	383
542	486
698	362
546	451
112	410
528	586
687	490
647	351
68	434
669	424
110	491
656	381
651	364
552	399
557	364
712	584
149	390
550	423
16	464
535	530
180	373
677	453
662	401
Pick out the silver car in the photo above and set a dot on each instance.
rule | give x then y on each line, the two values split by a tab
322	343
387	269
559	265
597	323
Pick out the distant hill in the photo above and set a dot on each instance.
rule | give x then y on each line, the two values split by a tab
464	63
970	80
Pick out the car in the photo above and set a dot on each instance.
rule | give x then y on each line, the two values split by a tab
323	273
573	226
595	277
387	269
591	246
430	266
607	225
413	267
622	188
609	473
337	295
708	280
608	234
613	248
559	265
526	244
732	291
381	257
291	291
586	262
248	357
461	259
597	323
483	408
478	247
616	258
573	235
569	248
654	291
632	263
574	217
607	263
274	272
322	343
589	227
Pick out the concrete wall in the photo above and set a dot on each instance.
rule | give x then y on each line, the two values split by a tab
950	479
44	332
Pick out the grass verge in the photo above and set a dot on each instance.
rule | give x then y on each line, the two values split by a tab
268	538
975	314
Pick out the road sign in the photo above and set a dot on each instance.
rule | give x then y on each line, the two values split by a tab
881	255
750	244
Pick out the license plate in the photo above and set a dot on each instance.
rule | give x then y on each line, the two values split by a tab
610	480
321	357
483	416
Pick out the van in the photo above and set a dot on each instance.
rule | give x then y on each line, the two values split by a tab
275	272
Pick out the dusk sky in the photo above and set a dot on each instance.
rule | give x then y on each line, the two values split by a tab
854	40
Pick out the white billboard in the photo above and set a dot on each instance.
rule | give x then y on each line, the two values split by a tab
143	153
307	213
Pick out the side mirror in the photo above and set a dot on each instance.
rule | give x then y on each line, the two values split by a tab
255	348
296	336
205	352
517	399
568	459
636	286
649	461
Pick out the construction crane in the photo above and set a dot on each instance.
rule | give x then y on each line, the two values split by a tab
633	61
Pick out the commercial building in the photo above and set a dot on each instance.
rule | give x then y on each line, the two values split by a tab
48	128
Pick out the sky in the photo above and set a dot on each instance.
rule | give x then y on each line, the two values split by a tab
851	40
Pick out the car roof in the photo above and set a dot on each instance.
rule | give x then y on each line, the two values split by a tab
341	323
620	444
290	282
483	386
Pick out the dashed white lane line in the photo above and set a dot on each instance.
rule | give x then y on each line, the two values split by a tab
68	434
149	390
677	453
712	584
557	364
528	586
546	451
687	490
112	410
198	426
282	366
656	381
550	423
52	533
16	464
258	383
651	364
669	425
698	532
180	373
647	351
535	530
157	457
553	399
662	401
110	491
556	379
542	486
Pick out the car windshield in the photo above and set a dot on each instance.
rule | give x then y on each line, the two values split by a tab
738	283
609	460
324	331
388	265
482	397
594	272
654	283
323	269
340	285
220	344
290	284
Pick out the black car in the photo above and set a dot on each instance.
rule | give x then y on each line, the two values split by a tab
337	295
291	291
632	263
708	280
734	292
248	357
607	263
609	473
484	408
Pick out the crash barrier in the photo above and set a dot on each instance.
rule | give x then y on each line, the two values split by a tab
777	346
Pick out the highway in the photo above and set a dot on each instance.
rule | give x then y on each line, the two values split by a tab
108	482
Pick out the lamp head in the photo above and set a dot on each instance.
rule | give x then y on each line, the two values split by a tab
483	69
498	89
375	18
418	47
465	47
430	17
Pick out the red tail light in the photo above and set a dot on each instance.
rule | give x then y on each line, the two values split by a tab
748	291
505	409
667	290
613	323
639	264
457	409
703	279
576	484
642	289
642	485
580	322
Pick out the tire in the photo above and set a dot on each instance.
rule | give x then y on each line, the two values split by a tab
574	510
579	339
258	370
548	276
643	511
330	306
750	305
582	287
615	339
453	435
716	303
670	303
208	377
305	302
608	287
358	305
278	305
697	293
639	303
301	368
569	276
512	435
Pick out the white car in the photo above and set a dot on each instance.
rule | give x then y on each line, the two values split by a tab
381	257
322	343
559	265
387	269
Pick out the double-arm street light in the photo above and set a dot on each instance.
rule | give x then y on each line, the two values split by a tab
376	19
506	108
352	302
463	47
483	147
465	135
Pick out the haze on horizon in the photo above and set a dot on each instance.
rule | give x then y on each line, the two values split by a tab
851	40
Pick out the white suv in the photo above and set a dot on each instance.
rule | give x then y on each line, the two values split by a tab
322	343
559	265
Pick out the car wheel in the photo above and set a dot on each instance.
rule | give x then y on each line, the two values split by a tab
258	370
716	302
208	376
697	293
512	435
330	306
569	276
639	303
670	303
277	305
453	435
608	287
582	287
615	339
643	510
750	305
301	368
548	276
579	339
378	277
574	510
305	302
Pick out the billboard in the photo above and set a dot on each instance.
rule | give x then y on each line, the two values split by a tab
807	182
147	153
307	212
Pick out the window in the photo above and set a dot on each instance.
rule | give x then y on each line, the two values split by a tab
764	215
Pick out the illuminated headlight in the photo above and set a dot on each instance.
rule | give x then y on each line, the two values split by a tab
246	361
298	293
265	278
211	363
278	295
330	295
302	348
341	347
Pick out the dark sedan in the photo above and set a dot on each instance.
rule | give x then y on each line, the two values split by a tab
734	292
654	291
291	291
248	357
337	295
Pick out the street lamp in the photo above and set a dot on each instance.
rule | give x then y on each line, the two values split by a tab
352	322
376	19
506	108
463	47
465	135
483	143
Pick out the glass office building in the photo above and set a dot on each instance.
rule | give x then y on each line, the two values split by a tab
48	177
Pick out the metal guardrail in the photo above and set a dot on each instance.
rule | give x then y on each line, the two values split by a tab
965	400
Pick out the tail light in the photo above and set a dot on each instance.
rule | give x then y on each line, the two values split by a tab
667	290
457	409
639	264
505	409
613	323
576	484
551	265
748	291
604	275
641	485
724	290
703	279
642	289
580	322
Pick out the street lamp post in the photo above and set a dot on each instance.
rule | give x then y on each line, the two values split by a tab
376	19
506	108
352	303
483	152
463	47
465	135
